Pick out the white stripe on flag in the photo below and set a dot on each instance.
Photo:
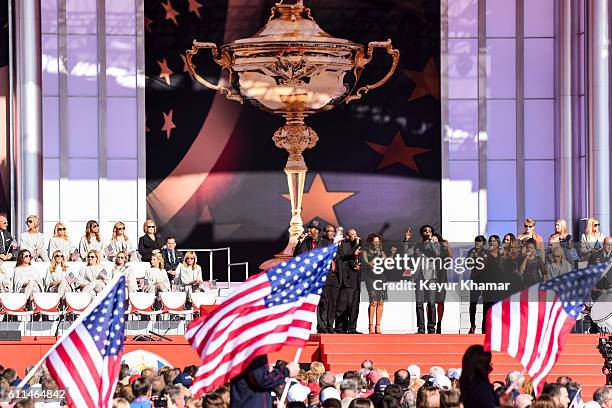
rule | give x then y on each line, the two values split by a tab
496	326
89	344
546	337
515	324
560	321
532	324
81	366
69	384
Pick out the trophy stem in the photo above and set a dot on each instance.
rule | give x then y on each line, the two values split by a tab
295	137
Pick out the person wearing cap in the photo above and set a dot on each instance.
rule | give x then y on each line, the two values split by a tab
329	393
298	393
252	388
309	241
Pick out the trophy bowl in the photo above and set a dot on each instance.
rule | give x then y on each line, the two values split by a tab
293	68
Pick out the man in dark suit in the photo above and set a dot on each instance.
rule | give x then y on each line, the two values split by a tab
349	275
604	255
326	312
8	246
309	241
172	257
252	387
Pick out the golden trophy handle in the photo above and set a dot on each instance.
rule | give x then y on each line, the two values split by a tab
223	60
362	60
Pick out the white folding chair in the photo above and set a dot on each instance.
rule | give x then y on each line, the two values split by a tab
77	302
47	304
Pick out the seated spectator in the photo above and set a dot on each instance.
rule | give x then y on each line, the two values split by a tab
91	241
120	242
93	276
33	240
8	246
172	258
56	278
149	241
156	277
60	242
190	274
592	238
26	279
559	265
121	266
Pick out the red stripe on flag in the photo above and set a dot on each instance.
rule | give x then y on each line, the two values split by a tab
505	329
75	375
80	346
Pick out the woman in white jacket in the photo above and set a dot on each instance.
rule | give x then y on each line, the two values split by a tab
93	277
120	242
190	274
26	279
156	275
91	241
56	279
60	242
33	240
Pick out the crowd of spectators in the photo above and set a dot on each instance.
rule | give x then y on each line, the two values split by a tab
369	386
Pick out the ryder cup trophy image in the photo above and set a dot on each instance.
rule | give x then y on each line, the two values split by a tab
293	68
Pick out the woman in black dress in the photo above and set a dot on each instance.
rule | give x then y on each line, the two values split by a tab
491	274
532	267
373	273
474	383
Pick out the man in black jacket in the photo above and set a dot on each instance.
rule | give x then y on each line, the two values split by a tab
172	257
309	241
349	276
8	246
252	387
326	312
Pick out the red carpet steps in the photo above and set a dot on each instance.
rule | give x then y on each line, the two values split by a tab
580	359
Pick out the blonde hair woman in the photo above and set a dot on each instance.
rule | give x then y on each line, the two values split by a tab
592	237
26	279
156	276
60	242
33	240
190	274
558	265
91	240
56	278
121	266
93	277
119	242
150	241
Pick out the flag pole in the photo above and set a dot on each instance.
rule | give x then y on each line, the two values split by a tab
95	302
296	359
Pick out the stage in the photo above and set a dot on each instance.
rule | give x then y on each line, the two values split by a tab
580	359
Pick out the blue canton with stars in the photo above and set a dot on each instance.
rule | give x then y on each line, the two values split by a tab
574	288
300	276
106	322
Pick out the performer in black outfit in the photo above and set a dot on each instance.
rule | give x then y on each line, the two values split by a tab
428	249
310	241
349	255
326	312
477	252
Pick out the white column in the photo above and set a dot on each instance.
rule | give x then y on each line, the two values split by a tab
598	111
563	154
28	111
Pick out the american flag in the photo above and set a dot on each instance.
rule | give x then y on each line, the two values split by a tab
531	325
86	360
70	278
268	311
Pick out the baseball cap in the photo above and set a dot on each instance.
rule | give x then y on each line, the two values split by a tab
329	392
453	373
414	371
184	379
298	392
442	382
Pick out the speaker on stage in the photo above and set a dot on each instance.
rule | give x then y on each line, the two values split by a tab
10	335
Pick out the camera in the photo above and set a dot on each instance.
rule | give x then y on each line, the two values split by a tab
605	349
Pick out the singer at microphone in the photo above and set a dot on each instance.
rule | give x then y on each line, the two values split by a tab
310	241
